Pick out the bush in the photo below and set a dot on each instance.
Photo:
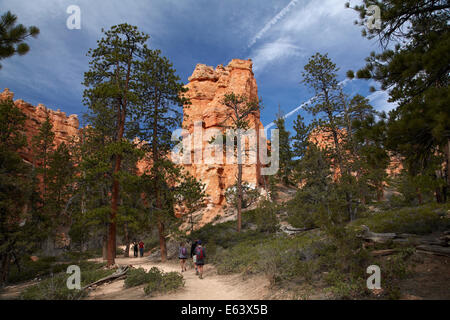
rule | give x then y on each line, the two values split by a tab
156	280
136	277
266	217
55	287
161	282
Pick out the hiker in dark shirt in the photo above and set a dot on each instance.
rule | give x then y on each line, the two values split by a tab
193	256
182	255
200	258
135	248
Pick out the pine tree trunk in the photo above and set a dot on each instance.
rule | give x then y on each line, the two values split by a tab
126	254
419	196
239	204
105	248
113	215
162	241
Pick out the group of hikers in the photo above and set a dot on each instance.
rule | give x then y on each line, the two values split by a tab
139	245
198	256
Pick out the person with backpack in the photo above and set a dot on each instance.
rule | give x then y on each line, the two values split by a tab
141	248
193	256
200	258
182	255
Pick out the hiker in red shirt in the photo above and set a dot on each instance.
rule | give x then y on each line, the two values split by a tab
141	248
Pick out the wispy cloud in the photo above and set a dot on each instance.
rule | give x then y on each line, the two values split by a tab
273	51
343	83
379	100
272	22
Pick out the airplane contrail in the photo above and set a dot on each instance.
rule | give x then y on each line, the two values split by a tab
273	21
290	113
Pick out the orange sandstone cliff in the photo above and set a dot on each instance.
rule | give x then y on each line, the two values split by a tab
65	127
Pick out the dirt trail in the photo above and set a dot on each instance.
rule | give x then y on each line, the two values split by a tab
211	287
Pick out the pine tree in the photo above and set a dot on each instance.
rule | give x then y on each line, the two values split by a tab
12	36
240	108
300	142
321	75
160	112
43	146
14	186
285	152
111	85
60	186
416	73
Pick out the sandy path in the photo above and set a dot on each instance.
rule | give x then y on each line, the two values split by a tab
211	287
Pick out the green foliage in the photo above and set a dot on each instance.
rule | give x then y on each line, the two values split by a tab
136	277
156	280
164	283
416	220
19	222
285	153
266	217
12	36
416	73
249	195
55	287
240	108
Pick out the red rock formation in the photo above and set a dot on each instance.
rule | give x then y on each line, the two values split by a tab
207	87
65	127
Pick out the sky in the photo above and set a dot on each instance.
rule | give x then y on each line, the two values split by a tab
279	36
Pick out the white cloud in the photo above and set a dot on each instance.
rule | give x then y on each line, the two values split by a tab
379	100
271	52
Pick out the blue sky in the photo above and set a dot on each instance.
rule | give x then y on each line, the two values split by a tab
279	36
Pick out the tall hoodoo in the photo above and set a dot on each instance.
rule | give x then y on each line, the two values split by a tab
207	87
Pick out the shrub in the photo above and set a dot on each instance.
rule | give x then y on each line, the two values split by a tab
161	282
55	287
136	277
266	217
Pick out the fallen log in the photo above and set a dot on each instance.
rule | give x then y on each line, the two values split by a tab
291	230
376	237
386	252
433	249
120	273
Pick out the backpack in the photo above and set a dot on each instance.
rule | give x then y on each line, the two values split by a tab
183	251
199	253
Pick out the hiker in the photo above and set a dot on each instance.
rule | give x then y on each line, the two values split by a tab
193	256
141	248
135	248
200	258
182	255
